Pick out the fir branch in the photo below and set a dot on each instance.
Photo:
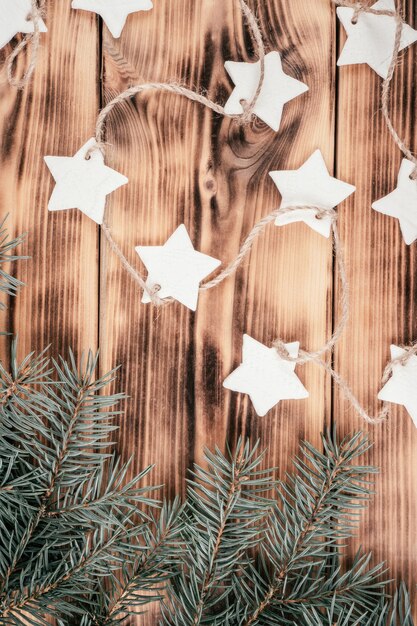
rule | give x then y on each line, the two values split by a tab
318	502
9	285
226	512
143	582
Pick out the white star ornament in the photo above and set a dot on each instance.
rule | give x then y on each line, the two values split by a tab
402	386
278	88
83	183
14	16
371	40
402	202
176	268
265	376
310	185
113	12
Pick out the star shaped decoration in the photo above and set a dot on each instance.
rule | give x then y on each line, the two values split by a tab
401	387
310	185
402	202
176	268
278	88
265	376
14	16
83	183
371	40
113	12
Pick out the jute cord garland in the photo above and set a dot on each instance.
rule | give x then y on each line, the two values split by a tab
386	85
30	41
248	109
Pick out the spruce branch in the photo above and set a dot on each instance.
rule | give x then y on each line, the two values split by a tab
316	511
291	571
9	285
225	516
69	517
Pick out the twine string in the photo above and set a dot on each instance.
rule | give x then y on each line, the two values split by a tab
234	265
248	109
383	414
182	90
304	356
386	85
31	40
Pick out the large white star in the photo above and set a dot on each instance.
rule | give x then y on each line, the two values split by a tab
83	184
371	40
113	12
176	268
402	386
310	185
402	202
278	88
14	19
265	376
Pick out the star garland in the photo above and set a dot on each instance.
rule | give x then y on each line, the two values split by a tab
176	271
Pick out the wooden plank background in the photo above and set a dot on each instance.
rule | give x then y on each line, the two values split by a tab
186	165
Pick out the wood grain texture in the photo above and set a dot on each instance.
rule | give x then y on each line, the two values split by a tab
54	115
382	274
186	165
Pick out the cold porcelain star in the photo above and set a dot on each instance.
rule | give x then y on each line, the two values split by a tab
176	268
371	40
83	183
401	387
402	202
310	185
14	19
265	376
278	88
113	12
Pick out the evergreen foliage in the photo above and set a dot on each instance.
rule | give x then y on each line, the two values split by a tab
84	543
9	285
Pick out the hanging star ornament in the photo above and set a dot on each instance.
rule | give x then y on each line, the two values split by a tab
402	202
265	376
176	268
83	183
113	12
278	88
310	185
15	18
401	387
371	39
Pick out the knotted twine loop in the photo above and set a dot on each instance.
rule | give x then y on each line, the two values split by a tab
386	85
32	40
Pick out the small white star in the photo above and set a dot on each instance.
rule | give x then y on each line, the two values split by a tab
371	40
176	268
265	376
83	184
14	19
402	386
113	12
402	202
278	88
310	185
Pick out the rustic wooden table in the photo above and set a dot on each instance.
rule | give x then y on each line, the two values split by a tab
187	165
